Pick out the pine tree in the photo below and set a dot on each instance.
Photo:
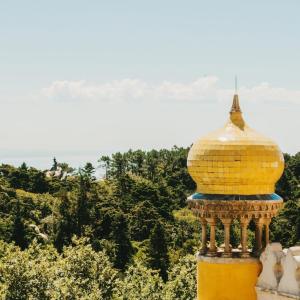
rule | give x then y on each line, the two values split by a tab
105	163
66	224
82	209
121	238
18	232
24	166
158	251
89	171
55	165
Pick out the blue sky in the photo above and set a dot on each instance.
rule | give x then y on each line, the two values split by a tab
83	78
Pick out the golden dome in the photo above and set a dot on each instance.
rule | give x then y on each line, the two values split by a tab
235	159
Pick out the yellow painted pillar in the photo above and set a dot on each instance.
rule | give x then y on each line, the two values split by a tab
221	278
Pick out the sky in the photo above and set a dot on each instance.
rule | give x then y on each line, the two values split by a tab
81	79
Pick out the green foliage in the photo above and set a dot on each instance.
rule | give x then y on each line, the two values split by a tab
136	236
40	273
182	279
82	213
26	274
29	179
141	283
18	229
185	235
82	272
88	171
65	224
285	228
143	218
235	234
112	225
158	251
289	184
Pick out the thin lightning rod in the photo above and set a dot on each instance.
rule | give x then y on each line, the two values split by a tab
236	84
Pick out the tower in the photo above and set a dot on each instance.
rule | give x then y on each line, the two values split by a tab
235	169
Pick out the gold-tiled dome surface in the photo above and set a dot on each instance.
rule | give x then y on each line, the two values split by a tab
235	160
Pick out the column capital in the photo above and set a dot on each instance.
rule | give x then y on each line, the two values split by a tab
245	220
267	221
203	221
226	221
211	221
259	221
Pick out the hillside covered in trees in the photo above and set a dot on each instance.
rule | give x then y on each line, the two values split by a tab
67	235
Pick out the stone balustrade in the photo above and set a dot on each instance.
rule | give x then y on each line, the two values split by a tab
280	276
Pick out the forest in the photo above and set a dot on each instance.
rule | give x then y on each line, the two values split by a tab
65	234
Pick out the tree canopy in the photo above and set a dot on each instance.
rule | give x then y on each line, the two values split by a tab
127	235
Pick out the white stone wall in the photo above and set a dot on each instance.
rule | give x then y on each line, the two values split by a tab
280	276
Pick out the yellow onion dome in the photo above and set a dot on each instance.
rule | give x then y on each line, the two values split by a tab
235	160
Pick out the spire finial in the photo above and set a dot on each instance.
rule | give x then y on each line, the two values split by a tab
236	113
235	104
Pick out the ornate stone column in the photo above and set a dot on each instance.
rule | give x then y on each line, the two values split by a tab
227	251
203	249
267	236
259	223
212	251
244	236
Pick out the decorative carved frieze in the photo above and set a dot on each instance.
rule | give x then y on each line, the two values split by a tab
266	209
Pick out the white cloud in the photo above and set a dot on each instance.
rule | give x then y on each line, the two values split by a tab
266	92
81	90
201	90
